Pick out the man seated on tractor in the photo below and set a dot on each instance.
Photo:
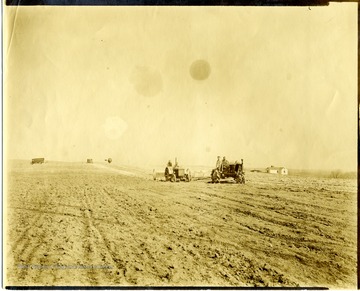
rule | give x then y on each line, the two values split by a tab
224	164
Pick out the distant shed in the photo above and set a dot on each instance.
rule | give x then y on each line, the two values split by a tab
277	170
38	161
89	161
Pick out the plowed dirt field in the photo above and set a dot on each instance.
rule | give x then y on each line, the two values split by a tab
73	224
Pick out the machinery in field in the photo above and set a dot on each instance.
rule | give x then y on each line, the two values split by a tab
177	173
37	161
233	170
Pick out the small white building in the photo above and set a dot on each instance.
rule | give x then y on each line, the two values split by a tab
277	170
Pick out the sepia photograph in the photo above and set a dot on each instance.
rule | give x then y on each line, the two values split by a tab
180	146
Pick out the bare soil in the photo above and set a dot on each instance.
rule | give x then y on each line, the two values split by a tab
86	224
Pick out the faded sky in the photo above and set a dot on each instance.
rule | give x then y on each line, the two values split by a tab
98	82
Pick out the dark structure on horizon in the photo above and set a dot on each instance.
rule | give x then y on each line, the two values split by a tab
37	161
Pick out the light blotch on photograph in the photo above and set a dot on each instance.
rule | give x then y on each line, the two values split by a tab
114	127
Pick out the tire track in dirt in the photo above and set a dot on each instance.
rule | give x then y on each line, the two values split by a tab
96	249
30	239
261	232
132	219
164	271
228	279
299	216
253	204
307	214
130	269
155	234
230	231
29	246
320	247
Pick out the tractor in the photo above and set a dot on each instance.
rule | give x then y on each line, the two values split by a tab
176	173
234	170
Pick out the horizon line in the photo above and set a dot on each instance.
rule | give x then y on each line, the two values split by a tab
194	165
